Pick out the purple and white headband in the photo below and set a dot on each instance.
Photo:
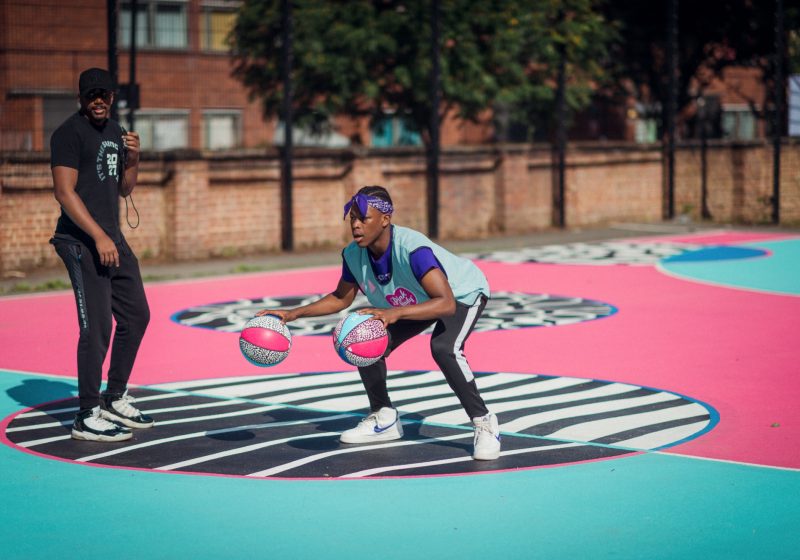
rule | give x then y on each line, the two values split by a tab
363	201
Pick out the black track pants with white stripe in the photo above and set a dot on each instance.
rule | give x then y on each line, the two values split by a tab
447	348
102	293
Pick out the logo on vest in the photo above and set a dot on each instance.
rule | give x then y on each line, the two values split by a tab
401	298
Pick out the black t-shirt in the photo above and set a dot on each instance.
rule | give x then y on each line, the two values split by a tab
96	152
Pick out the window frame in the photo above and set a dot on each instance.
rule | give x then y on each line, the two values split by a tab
237	128
149	8
207	8
153	114
737	111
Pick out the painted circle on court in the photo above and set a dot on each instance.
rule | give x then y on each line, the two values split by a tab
629	253
288	426
504	311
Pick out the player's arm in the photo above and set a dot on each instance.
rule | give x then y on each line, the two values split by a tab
442	302
131	171
65	180
341	298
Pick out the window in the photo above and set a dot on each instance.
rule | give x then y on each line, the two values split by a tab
324	135
159	24
222	129
738	123
56	109
394	130
794	105
160	129
645	131
216	22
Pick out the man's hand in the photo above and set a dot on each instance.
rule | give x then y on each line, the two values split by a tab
132	145
285	315
109	256
385	316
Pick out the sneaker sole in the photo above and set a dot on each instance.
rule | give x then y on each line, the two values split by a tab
385	436
86	436
486	456
127	422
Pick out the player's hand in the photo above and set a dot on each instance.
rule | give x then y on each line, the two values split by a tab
285	315
385	316
107	250
133	146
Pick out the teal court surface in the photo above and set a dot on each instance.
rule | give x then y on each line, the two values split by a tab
647	390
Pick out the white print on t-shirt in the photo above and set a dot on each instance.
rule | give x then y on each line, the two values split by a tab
111	161
107	160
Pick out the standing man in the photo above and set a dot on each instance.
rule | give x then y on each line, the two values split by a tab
94	162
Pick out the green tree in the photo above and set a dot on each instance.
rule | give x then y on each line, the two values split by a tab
713	36
358	57
577	31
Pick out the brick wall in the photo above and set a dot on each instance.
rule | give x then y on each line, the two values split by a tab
739	181
194	205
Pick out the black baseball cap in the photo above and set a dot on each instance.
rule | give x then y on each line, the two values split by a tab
95	78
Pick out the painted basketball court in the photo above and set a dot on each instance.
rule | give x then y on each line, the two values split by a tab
647	389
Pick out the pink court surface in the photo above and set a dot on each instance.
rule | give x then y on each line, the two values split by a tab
655	378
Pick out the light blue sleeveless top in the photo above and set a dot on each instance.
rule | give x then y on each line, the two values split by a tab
466	280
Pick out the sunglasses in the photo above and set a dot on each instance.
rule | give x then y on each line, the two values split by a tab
93	94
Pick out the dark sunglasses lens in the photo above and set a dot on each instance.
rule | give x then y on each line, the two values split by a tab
95	93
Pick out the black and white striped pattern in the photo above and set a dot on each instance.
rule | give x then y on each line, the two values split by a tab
504	311
608	253
288	425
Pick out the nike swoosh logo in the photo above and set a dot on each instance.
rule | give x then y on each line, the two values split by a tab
379	430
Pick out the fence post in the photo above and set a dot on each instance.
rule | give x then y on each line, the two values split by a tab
777	127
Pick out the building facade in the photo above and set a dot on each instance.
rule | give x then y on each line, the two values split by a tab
187	96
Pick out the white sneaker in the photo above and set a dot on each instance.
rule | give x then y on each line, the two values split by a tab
90	425
122	411
487	438
383	425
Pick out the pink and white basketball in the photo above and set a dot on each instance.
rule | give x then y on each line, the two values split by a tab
360	340
265	341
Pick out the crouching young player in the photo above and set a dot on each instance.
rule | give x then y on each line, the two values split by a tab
412	283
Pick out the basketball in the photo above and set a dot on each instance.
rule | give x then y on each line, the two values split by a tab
360	340
265	341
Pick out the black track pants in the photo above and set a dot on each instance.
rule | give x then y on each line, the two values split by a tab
102	293
447	348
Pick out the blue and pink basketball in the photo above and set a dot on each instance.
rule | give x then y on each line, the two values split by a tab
265	341
360	340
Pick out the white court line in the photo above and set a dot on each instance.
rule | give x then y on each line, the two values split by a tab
39	426
206	433
524	422
377	470
727	461
686	277
312	458
452	417
596	429
484	383
652	440
148	411
36	442
34	413
240	450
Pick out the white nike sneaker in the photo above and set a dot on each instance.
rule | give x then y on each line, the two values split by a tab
383	425
487	438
